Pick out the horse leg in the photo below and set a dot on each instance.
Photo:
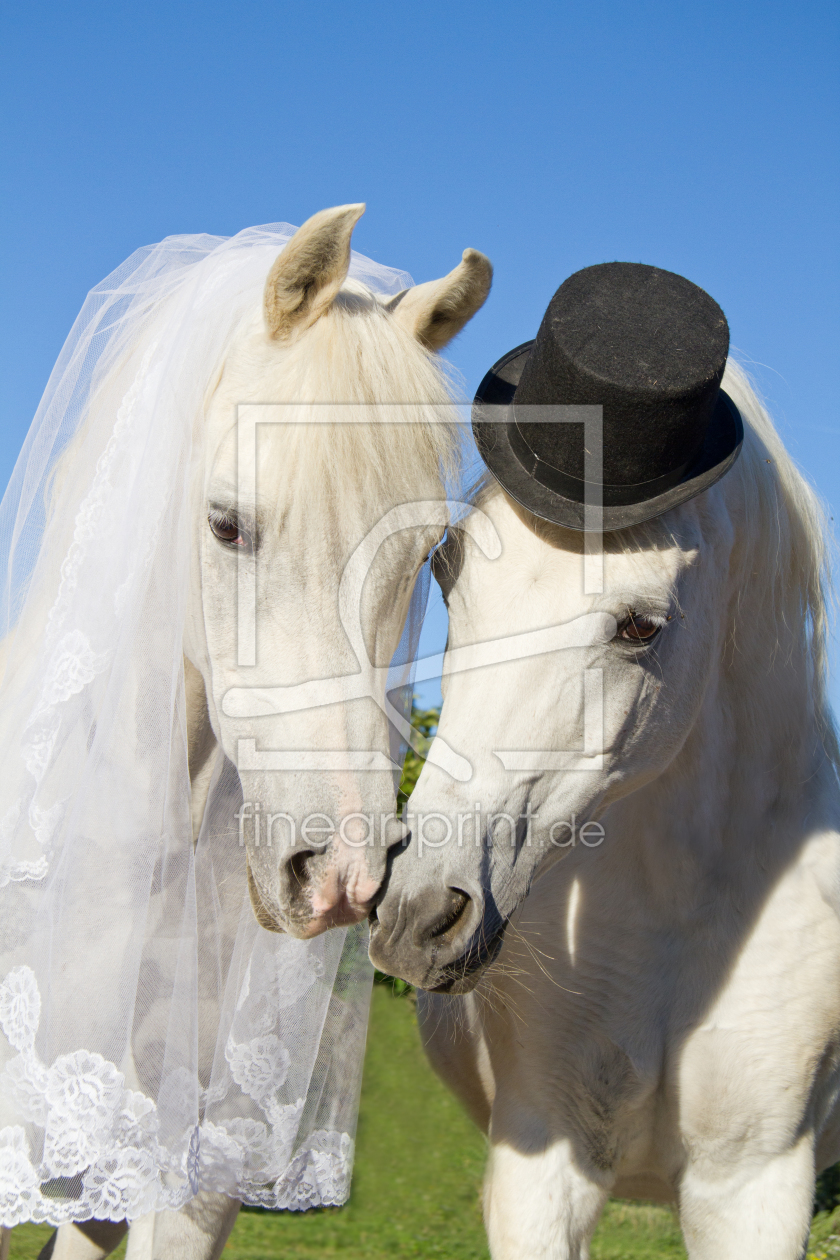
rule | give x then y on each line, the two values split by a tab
198	1231
762	1212
90	1240
541	1204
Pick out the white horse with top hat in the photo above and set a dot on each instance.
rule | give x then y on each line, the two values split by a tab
656	1015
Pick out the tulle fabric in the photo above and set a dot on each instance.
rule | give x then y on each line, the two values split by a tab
156	1041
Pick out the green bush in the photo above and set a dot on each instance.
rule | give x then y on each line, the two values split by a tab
827	1194
425	722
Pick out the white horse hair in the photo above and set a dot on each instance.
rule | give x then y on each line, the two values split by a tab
663	1020
318	338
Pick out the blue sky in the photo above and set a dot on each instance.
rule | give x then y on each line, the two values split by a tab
699	137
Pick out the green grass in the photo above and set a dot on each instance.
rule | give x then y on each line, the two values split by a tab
416	1190
825	1236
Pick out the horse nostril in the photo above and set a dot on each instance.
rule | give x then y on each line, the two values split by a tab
298	874
447	927
298	868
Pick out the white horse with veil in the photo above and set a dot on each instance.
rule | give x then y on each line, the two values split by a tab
658	1016
180	1030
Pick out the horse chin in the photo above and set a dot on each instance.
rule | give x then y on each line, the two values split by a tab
265	917
457	987
464	974
454	978
342	915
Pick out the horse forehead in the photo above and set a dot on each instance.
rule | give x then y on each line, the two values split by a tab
528	579
672	543
533	584
645	567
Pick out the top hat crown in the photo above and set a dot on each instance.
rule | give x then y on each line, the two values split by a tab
647	346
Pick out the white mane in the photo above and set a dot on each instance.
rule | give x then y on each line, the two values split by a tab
786	565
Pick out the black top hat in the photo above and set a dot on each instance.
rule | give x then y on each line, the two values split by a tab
648	346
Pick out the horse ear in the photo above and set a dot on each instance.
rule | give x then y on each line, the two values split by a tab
309	272
434	312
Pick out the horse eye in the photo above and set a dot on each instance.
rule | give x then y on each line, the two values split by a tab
636	628
227	530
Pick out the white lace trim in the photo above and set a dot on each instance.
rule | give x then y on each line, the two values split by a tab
86	1127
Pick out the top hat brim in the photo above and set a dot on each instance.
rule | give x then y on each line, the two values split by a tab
501	451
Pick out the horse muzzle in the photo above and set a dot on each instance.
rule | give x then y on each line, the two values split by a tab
441	941
307	891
